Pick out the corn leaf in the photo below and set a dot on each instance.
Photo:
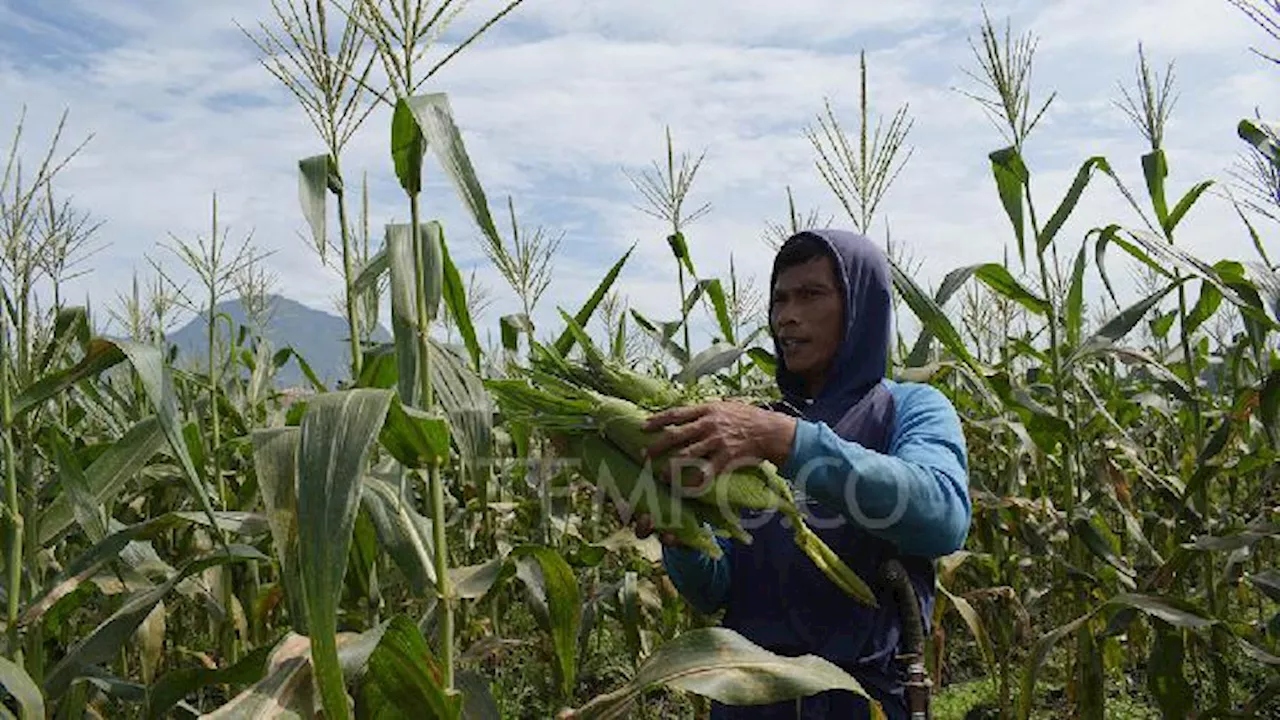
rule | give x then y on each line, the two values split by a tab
1039	652
1261	138
469	410
431	248
1098	538
1105	236
1267	582
288	688
1253	234
118	543
1155	168
401	531
100	355
401	679
680	251
275	460
1119	326
1258	654
313	177
477	699
408	147
764	360
106	475
1070	200
1269	402
951	283
1011	176
1075	301
371	273
556	602
148	363
1267	283
282	356
662	336
434	119
173	686
455	298
931	316
1251	535
413	437
713	359
714	290
337	435
106	640
974	621
564	343
87	511
1184	205
70	324
999	279
1163	256
1175	611
720	664
511	327
1208	303
1165	678
404	310
22	689
475	581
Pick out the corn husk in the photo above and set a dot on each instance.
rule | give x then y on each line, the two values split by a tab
613	438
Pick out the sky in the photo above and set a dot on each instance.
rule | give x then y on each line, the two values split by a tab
562	98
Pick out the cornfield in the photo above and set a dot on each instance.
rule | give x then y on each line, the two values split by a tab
187	539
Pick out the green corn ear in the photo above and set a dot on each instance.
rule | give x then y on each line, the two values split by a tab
632	481
724	524
623	423
640	389
830	563
743	488
620	445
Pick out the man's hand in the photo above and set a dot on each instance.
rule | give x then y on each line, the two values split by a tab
714	437
644	528
721	435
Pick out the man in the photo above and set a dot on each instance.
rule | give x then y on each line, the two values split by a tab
880	468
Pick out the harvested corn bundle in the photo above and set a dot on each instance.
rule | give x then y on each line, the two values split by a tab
572	400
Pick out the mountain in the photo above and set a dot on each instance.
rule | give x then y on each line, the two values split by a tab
317	336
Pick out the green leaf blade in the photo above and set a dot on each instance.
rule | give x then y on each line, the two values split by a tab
337	434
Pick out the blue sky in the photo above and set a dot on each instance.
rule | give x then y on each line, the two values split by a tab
562	97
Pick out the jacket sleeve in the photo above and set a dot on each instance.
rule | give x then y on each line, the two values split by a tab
916	496
704	582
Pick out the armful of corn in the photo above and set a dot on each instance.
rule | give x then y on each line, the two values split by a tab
611	441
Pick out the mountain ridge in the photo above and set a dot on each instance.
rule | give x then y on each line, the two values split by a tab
319	337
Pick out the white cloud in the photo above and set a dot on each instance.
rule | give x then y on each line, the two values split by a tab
567	93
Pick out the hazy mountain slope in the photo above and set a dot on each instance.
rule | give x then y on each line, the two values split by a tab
318	336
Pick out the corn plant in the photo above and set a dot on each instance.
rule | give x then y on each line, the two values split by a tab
665	195
433	539
330	85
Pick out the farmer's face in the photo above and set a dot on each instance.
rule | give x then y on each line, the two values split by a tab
807	317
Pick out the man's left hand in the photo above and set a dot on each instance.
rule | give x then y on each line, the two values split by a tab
722	435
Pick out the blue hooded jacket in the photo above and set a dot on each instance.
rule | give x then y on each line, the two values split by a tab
881	470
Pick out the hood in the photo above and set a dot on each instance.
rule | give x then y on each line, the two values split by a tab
863	353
